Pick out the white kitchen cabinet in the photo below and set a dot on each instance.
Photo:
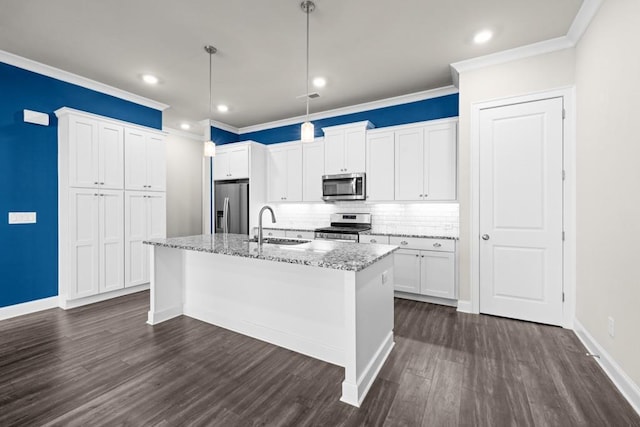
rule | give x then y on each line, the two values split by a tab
406	270
231	162
425	266
293	234
425	162
270	232
145	160
145	218
312	170
96	156
345	148
380	166
285	173
95	242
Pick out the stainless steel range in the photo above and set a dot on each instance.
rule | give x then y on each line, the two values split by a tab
345	227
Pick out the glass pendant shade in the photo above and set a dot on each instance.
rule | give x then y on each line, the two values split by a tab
307	132
209	149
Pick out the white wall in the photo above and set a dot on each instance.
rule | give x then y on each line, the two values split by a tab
535	74
608	181
184	184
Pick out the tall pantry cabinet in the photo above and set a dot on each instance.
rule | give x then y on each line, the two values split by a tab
111	197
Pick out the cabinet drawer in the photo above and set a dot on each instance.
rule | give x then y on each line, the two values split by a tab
266	232
428	244
300	234
374	238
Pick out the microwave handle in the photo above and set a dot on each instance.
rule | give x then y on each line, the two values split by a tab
353	185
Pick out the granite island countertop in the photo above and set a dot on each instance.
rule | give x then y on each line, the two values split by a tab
316	253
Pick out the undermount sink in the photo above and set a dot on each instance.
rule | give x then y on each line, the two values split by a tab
278	241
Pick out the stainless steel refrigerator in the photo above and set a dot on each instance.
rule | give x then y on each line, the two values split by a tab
232	207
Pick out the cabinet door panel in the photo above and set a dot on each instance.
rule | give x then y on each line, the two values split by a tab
334	153
135	234
135	160
313	169
156	226
406	270
111	169
380	167
277	171
354	151
156	163
221	165
440	160
239	162
83	152
438	274
409	160
294	174
111	240
84	241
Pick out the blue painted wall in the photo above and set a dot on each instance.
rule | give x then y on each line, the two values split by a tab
221	137
428	109
29	175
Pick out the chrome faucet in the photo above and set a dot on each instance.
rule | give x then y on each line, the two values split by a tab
273	219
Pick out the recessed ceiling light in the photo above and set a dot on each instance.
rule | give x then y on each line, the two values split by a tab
223	108
151	79
482	37
185	126
319	82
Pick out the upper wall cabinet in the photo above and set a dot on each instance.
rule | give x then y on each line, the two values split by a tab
285	173
380	166
96	157
145	160
344	148
425	162
231	162
312	170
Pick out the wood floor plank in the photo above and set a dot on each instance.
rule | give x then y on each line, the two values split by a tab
103	365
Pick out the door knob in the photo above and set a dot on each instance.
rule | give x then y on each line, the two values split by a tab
485	237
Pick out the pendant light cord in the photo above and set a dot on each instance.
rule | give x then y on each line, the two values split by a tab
307	93
210	78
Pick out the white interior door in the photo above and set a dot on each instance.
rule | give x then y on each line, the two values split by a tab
521	187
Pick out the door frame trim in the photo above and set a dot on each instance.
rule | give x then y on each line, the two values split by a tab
569	191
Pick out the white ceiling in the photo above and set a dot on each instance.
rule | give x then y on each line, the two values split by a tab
367	50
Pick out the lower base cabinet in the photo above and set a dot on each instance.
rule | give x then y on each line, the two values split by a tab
425	272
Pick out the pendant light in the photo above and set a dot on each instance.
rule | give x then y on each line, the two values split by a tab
307	132
209	145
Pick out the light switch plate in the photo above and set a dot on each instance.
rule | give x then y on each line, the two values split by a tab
22	217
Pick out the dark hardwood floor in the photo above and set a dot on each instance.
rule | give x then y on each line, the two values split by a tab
102	365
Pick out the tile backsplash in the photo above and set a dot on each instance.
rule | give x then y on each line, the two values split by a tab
440	219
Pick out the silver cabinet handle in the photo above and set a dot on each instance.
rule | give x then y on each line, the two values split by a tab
95	183
404	243
299	236
420	195
436	245
269	234
417	255
102	183
95	194
373	241
485	237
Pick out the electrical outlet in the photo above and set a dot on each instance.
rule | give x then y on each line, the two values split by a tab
611	327
22	217
384	277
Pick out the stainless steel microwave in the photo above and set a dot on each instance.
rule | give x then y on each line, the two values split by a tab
348	186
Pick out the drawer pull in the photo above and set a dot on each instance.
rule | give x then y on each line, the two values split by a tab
373	241
404	242
299	236
437	245
269	234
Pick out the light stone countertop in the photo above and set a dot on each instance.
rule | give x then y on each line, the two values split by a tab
374	231
316	253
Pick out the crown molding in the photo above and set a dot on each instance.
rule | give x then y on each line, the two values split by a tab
65	76
183	134
579	25
582	20
224	126
388	102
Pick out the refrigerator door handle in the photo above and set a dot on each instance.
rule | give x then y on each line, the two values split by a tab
225	216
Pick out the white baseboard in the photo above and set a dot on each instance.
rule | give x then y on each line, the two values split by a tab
622	381
464	306
425	298
73	303
153	318
28	307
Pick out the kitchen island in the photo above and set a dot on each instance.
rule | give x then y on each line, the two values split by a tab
329	300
